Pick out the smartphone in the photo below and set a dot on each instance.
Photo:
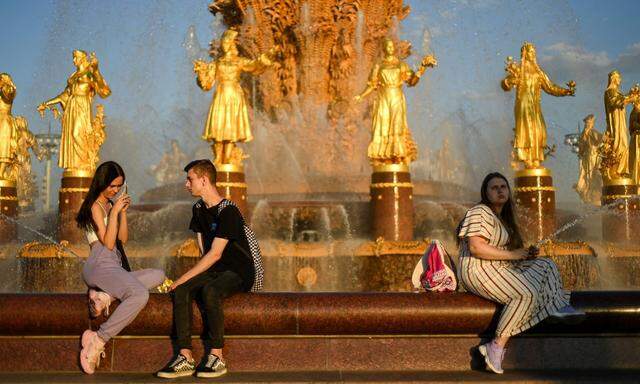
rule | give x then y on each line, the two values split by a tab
121	192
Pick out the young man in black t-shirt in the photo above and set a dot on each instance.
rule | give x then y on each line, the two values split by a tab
223	270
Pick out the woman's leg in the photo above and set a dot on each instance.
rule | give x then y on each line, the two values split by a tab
120	284
149	277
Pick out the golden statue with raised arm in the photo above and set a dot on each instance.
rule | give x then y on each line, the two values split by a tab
529	79
8	128
228	120
614	105
78	152
391	141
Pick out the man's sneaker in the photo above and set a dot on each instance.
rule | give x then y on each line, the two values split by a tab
567	315
492	356
214	367
177	367
99	301
92	350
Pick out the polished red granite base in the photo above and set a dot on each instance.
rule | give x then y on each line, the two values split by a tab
275	332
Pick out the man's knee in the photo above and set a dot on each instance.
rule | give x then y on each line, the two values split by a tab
211	297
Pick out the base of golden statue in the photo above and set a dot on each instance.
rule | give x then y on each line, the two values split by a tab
392	202
9	208
73	189
535	197
232	186
621	220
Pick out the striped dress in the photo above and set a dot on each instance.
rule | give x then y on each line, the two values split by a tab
529	289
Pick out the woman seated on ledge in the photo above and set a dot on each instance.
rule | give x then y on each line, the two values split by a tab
103	217
494	265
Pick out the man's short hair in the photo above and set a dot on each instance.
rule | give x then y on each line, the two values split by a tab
203	167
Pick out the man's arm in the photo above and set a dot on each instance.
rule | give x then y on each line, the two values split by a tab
210	258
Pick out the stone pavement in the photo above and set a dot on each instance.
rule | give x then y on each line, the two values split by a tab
523	376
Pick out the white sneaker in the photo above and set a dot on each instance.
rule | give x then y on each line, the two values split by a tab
492	357
92	350
99	301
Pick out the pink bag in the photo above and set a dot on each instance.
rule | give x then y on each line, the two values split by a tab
433	273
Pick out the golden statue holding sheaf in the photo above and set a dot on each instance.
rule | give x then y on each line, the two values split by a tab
529	79
78	143
391	141
228	119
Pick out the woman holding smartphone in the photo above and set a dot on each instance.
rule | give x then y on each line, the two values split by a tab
103	216
495	265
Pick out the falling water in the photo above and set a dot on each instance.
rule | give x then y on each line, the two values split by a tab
345	219
588	212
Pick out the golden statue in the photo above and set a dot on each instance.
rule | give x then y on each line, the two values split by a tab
634	128
528	78
228	120
78	151
588	186
391	141
614	106
26	184
8	128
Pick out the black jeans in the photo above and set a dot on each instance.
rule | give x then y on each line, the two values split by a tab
211	288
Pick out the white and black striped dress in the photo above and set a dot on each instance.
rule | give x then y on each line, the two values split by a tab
529	289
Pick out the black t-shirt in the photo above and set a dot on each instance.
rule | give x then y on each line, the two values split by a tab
228	225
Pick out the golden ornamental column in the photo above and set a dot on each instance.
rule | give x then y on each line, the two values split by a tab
535	196
232	186
392	148
621	218
80	140
392	202
228	120
534	190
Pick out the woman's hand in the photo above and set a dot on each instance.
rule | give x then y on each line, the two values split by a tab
122	203
520	254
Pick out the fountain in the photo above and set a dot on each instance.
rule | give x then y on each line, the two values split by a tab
328	218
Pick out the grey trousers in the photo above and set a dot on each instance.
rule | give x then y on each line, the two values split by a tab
103	270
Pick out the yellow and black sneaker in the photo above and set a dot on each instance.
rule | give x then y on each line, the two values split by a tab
213	367
177	367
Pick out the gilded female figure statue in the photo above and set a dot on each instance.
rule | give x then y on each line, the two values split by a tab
614	105
391	141
77	152
228	120
588	144
8	128
528	79
634	128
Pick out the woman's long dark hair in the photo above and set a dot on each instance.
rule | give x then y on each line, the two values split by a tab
507	216
105	174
